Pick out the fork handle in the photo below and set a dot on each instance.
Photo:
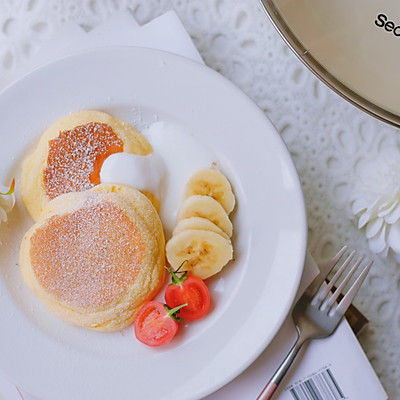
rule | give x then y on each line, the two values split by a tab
280	373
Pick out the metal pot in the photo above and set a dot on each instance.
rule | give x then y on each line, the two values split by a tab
352	46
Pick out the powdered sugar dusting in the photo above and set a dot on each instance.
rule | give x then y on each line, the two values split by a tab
76	156
89	257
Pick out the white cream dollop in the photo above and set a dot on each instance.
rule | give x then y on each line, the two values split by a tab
7	202
176	156
140	172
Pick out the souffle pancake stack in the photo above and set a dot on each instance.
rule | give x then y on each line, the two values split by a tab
97	251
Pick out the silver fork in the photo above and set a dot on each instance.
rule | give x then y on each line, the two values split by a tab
316	314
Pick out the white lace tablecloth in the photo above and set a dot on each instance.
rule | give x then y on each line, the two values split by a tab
328	138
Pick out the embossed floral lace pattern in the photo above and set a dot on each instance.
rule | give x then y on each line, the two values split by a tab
328	138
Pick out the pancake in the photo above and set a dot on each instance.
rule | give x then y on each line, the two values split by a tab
96	256
70	153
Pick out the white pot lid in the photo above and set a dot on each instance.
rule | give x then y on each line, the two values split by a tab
353	46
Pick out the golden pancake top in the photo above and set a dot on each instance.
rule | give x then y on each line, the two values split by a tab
88	257
75	158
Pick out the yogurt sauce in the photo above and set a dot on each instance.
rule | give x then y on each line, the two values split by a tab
176	156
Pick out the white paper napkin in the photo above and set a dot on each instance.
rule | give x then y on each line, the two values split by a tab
167	33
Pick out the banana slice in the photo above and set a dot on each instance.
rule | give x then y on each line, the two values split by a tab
206	207
205	252
211	182
198	223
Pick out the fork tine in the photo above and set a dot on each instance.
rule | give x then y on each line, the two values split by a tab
331	300
325	290
320	278
349	296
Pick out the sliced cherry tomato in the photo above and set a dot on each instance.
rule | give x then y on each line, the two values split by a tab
188	289
156	324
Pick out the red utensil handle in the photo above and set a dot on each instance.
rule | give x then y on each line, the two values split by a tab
268	391
280	373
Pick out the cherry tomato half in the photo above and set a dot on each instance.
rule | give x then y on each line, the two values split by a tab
156	324
191	290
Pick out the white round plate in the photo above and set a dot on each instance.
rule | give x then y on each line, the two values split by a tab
53	360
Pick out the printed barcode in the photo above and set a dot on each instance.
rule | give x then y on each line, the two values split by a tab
321	386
